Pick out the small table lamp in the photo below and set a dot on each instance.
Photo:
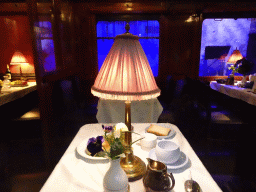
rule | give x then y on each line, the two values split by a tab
126	75
18	59
235	56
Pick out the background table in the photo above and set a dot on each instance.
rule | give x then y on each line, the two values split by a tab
235	92
113	111
75	173
16	93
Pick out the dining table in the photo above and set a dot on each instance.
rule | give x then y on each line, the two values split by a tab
77	172
16	92
235	91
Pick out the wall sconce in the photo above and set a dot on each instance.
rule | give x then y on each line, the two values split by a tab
128	6
191	18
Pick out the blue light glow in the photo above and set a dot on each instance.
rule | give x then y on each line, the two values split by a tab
223	32
106	32
47	44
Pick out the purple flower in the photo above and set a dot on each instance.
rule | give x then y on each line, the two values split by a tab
107	128
91	140
94	145
101	138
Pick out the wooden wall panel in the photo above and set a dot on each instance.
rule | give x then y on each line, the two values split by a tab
180	40
86	54
15	35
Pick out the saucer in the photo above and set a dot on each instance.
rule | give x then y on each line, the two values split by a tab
182	161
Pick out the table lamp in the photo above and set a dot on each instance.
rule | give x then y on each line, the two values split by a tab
126	75
18	59
235	56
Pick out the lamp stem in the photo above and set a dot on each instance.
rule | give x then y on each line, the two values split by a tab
133	166
20	71
128	122
128	135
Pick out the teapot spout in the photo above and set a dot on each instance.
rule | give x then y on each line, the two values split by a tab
156	165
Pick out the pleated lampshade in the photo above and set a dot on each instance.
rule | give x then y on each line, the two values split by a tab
18	58
126	73
235	56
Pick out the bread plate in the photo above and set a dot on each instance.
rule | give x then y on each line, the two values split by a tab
81	151
171	133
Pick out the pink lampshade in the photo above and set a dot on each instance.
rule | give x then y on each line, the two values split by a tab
235	56
18	58
126	73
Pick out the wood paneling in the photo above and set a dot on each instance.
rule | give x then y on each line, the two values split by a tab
180	40
15	35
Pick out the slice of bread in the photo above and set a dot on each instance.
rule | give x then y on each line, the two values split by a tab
158	130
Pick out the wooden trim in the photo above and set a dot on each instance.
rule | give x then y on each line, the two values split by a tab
28	76
13	7
122	8
139	7
16	76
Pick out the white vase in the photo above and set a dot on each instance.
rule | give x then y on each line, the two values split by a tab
254	86
115	178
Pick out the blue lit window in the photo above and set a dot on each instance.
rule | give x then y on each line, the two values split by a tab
220	37
147	30
45	34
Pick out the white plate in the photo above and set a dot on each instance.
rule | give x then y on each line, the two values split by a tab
81	150
183	160
172	132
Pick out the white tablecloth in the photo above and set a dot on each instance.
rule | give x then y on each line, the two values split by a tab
74	173
113	111
235	92
16	93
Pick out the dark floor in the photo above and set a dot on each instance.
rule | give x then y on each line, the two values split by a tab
23	167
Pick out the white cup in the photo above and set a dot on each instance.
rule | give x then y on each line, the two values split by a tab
167	151
149	142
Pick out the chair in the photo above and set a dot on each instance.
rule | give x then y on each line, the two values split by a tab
27	125
225	124
32	182
171	100
33	114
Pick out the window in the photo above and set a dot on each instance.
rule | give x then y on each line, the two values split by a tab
44	31
147	30
220	37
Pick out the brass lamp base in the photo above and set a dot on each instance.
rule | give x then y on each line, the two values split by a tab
135	170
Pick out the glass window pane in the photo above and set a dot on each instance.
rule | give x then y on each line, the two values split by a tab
48	55
218	34
151	49
153	29
99	29
104	46
119	27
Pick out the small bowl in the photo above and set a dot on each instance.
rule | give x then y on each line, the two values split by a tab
149	142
